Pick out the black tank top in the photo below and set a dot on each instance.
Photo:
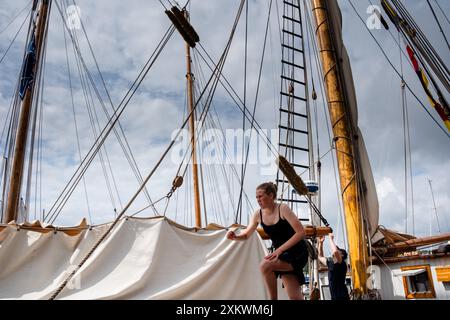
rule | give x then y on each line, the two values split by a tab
281	232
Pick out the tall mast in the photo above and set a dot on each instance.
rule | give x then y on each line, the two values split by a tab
343	143
24	122
190	96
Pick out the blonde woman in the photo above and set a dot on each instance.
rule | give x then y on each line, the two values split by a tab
287	234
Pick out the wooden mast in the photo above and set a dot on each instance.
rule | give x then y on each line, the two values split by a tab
343	143
24	120
190	96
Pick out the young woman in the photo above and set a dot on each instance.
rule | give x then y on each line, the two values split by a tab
287	234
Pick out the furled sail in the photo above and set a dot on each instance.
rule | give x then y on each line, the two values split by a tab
367	188
141	259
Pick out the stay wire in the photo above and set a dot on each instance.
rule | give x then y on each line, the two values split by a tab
95	125
255	105
123	144
442	11
438	23
427	51
397	72
76	124
15	18
119	110
219	125
14	38
239	104
114	117
239	210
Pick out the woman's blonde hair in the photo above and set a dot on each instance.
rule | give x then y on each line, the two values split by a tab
269	188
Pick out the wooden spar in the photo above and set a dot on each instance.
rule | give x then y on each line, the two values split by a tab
344	152
24	122
411	245
190	95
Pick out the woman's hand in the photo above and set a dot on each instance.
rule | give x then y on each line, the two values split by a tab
321	240
274	255
231	235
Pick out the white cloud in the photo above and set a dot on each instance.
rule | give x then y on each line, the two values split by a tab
385	187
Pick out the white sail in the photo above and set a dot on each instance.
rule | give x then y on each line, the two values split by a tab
140	259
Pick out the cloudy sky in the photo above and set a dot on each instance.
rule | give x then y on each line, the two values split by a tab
123	36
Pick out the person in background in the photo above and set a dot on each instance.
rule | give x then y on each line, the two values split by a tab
337	269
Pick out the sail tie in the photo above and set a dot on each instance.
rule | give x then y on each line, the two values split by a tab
28	68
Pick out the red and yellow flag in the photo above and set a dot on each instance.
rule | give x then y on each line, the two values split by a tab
442	111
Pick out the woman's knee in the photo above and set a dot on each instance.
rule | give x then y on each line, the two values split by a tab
265	266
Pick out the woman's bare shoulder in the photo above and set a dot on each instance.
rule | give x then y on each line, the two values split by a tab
284	208
256	216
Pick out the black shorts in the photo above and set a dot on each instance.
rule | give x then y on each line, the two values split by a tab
298	262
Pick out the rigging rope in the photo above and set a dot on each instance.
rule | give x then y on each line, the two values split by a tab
14	38
203	124
93	118
406	143
239	104
67	191
254	108
397	72
120	135
13	114
239	209
442	11
57	206
438	23
39	79
316	122
15	110
198	129
213	125
208	104
15	17
76	125
218	67
415	37
39	155
163	4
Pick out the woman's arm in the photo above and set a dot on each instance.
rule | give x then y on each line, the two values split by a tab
244	235
286	213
